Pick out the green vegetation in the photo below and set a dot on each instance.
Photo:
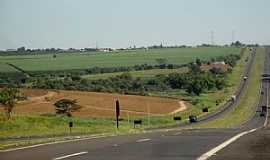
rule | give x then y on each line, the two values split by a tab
46	62
6	68
194	82
23	126
66	106
137	74
247	106
8	98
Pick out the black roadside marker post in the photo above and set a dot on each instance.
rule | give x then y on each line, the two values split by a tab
70	126
177	118
205	109
137	122
117	109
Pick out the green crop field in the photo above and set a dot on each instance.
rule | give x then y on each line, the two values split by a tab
6	68
113	59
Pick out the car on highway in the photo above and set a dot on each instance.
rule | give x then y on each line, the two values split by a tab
193	118
233	98
263	111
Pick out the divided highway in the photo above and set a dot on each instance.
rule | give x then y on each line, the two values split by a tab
253	146
171	144
230	104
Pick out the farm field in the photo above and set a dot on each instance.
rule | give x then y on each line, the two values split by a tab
149	73
98	104
31	119
6	68
70	61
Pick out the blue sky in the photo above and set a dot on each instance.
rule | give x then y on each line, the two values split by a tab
122	23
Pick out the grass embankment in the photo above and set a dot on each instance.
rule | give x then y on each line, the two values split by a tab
248	103
25	130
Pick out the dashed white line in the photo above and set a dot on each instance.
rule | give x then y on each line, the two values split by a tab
115	145
143	140
213	151
70	155
178	133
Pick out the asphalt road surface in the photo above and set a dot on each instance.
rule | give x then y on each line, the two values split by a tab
252	146
165	144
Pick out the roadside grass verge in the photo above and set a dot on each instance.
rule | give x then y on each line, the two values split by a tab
248	103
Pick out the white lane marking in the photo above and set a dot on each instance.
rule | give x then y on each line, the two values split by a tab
70	155
115	145
223	145
178	133
267	111
50	143
143	140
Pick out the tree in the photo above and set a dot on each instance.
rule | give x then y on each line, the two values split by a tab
21	49
198	62
195	87
8	98
194	68
237	44
66	106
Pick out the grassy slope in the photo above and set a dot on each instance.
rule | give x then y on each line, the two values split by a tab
247	106
124	58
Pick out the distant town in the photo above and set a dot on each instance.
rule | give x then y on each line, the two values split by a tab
24	50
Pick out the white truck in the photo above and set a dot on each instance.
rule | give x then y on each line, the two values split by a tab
233	98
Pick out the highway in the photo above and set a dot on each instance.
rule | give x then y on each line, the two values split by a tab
253	146
164	144
229	105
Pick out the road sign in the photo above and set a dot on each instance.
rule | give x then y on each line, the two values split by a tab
117	108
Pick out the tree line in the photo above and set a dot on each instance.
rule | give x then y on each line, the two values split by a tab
195	81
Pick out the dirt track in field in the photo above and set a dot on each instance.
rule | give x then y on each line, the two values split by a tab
98	104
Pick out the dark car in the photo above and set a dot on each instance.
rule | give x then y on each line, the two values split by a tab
193	118
262	114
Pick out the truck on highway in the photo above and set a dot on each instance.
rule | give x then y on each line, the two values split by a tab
233	98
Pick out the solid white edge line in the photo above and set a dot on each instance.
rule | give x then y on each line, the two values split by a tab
267	105
70	155
213	151
57	142
143	140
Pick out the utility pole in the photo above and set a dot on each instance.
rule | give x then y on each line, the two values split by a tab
233	36
96	45
148	111
212	37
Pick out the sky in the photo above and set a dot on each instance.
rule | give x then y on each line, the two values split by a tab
124	23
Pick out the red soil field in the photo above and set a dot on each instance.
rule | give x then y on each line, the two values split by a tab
97	104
